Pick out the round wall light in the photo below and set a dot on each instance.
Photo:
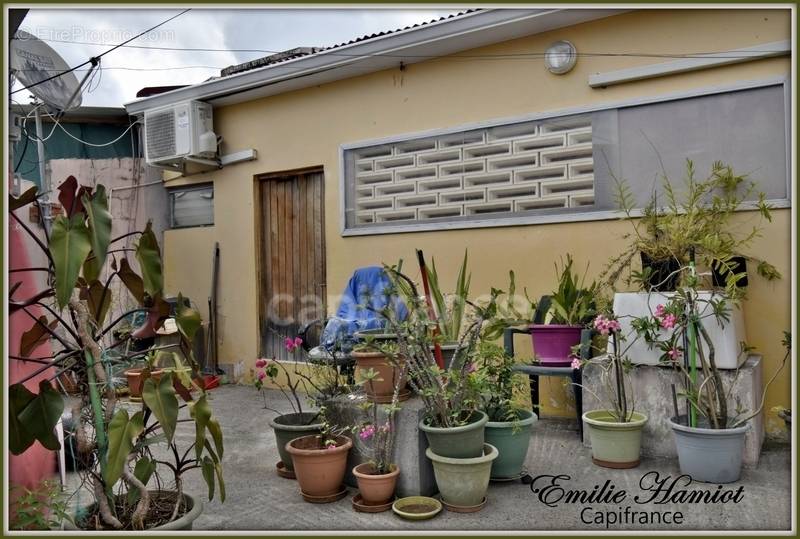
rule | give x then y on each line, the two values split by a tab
560	57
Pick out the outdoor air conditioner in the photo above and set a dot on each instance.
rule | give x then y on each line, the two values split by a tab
177	132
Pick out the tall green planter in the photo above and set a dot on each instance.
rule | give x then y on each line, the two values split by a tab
461	442
463	482
511	438
287	427
615	445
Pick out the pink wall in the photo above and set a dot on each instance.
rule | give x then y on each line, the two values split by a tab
36	463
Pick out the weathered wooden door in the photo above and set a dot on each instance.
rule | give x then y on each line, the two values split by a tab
292	258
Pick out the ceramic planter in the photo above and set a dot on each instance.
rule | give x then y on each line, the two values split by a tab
511	438
287	427
552	343
319	471
382	388
461	442
463	482
375	489
727	340
614	445
183	523
709	455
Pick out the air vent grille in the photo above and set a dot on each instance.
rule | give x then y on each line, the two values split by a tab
160	134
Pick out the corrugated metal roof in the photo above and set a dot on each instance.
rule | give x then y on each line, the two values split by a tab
307	51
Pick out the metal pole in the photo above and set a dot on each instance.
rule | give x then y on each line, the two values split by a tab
43	180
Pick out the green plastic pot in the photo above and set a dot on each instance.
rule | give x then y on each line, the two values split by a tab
463	482
461	442
288	427
511	438
615	445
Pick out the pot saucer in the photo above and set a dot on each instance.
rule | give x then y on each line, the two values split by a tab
283	471
360	505
386	399
325	499
463	509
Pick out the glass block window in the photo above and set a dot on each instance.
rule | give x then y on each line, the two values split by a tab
191	206
532	167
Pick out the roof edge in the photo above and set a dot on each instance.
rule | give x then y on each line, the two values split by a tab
364	52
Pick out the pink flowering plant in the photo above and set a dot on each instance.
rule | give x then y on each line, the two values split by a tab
678	328
374	435
615	369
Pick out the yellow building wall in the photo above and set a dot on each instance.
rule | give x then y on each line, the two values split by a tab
306	127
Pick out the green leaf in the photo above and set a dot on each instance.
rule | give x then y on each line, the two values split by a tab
19	437
132	281
42	414
69	247
201	413
143	471
220	480
24	199
149	257
162	401
207	466
94	296
99	223
35	336
187	319
122	431
91	269
216	433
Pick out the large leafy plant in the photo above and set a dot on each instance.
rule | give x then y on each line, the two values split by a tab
121	448
451	309
498	381
573	303
695	217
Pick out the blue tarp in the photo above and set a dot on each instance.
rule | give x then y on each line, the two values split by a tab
362	300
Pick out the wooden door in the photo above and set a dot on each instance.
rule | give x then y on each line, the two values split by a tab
292	258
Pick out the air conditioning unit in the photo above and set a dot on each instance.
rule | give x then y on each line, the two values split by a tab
179	132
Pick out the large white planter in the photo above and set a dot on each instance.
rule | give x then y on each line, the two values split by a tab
727	340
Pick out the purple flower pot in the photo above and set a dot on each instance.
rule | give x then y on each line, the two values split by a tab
552	343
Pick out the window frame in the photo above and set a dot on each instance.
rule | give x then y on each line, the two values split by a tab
566	217
185	189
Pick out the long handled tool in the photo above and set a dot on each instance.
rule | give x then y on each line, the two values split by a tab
437	350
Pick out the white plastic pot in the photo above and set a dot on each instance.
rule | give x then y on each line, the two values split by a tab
727	340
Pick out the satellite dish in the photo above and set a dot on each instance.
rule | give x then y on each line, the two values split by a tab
33	61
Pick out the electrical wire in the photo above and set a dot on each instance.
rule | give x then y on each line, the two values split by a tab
95	59
93	145
329	52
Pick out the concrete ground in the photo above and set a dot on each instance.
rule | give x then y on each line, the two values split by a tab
257	499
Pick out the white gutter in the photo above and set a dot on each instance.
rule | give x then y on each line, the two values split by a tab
694	63
418	44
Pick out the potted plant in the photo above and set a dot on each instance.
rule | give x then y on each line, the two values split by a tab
710	435
377	478
453	425
697	217
115	445
509	426
320	461
615	431
286	426
572	306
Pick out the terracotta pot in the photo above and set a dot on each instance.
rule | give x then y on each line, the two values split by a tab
386	372
375	489
319	471
136	381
